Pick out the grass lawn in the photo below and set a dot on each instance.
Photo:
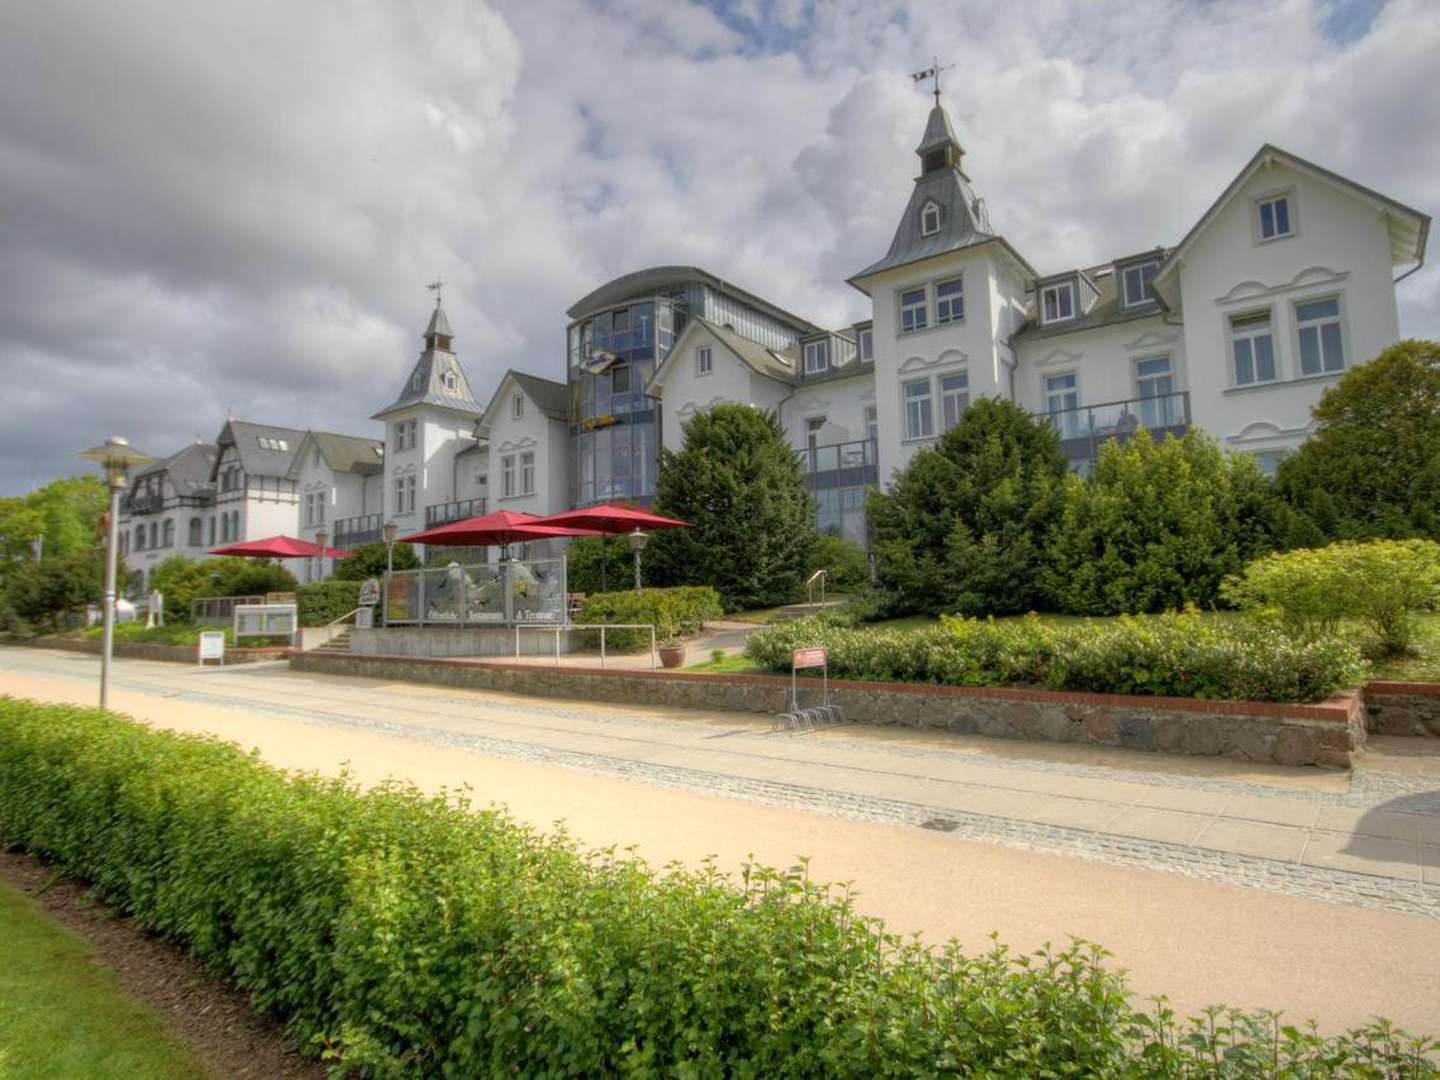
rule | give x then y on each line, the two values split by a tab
61	1014
1423	667
177	634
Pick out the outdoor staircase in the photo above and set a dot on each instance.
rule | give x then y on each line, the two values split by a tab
799	611
340	643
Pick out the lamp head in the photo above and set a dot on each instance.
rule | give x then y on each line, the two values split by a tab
389	531
638	539
117	457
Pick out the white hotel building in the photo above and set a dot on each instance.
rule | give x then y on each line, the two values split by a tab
1285	282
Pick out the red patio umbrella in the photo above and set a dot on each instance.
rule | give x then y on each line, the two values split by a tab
502	528
613	518
279	547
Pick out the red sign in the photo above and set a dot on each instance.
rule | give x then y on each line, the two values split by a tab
802	658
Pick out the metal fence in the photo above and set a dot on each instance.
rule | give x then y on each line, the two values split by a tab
482	594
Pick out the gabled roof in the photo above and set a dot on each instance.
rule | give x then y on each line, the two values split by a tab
343	453
271	457
550	397
1409	228
779	366
189	469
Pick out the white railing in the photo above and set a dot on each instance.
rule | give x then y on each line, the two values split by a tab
810	585
557	630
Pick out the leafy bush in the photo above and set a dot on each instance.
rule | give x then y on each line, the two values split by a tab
50	593
583	559
184	580
681	610
737	483
369	560
181	634
963	527
409	936
1178	655
1383	583
844	562
1158	525
322	602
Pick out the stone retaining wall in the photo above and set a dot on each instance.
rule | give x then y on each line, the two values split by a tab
149	650
1397	708
1325	734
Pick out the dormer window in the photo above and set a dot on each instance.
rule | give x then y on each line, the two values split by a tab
817	357
415	382
865	345
448	379
1136	283
1057	302
930	219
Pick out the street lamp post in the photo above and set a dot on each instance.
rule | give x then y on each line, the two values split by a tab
320	537
389	531
638	540
116	457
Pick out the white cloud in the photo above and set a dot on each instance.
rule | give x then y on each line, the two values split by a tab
236	205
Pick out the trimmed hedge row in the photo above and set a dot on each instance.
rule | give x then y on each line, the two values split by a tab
406	935
1175	655
680	610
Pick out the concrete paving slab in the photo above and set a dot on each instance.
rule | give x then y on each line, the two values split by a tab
1167	826
1430	863
1084	814
1379	823
1276	811
1259	839
1364	855
1186	800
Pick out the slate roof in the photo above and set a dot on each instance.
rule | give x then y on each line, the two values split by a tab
255	458
938	132
439	324
189	469
346	453
428	389
550	397
757	357
1106	311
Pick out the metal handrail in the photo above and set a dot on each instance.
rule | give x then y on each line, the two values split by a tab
810	585
342	618
558	628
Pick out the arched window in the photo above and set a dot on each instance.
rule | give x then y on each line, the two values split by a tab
196	532
930	219
139	537
167	535
154	534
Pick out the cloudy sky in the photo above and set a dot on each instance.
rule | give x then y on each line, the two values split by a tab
235	206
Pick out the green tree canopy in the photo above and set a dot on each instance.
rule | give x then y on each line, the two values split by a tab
963	527
753	523
183	580
1158	525
1372	467
66	512
368	560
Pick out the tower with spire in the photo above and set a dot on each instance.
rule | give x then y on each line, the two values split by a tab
430	421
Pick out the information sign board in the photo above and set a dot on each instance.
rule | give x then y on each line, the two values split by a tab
807	658
211	646
365	618
370	592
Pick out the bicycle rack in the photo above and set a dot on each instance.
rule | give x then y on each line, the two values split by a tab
799	719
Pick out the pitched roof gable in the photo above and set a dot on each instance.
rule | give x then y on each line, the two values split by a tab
272	457
342	453
550	397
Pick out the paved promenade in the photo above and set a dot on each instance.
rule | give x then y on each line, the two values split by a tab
1210	879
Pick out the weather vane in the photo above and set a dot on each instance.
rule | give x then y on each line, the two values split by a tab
435	287
932	72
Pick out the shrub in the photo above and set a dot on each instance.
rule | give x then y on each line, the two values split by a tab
1179	655
408	936
844	562
681	610
1372	467
1383	583
370	560
737	483
583	560
322	602
964	526
50	593
1158	525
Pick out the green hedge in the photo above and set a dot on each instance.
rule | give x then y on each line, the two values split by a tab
1176	655
407	935
681	610
322	602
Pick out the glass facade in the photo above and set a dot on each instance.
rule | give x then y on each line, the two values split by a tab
614	426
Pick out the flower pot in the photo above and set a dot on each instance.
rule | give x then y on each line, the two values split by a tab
672	656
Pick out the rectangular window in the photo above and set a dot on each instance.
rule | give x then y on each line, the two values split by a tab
409	494
702	362
320	508
1155	386
620	379
872	423
527	473
954	398
1057	302
517	406
913	313
1269	460
1062	402
399	495
950	301
1252	348
210	532
1274	214
1137	283
1318	325
866	343
817	357
507	475
919	423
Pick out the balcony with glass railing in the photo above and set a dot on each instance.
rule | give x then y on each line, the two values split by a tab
1084	428
446	512
353	531
847	464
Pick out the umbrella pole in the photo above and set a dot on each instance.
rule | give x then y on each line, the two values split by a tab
604	561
